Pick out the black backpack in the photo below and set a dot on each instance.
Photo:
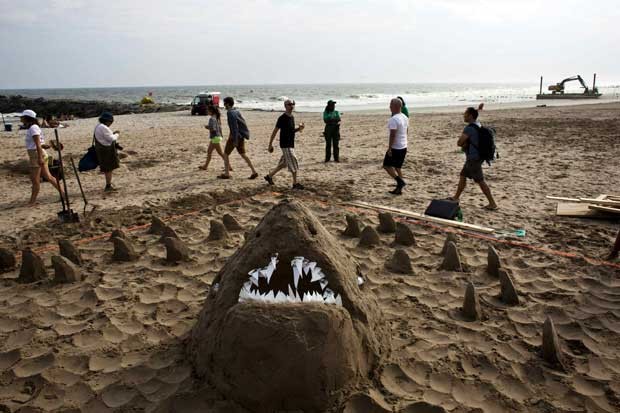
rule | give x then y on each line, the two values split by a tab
486	143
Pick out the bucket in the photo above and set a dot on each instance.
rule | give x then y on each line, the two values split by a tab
8	127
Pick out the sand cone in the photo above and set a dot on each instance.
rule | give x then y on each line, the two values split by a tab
168	232
551	351
450	238
217	231
471	305
452	260
176	250
157	226
231	223
400	263
386	223
353	226
65	271
493	262
7	260
123	250
509	293
404	235
70	251
369	237
32	268
118	233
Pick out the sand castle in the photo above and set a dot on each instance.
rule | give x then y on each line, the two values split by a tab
289	295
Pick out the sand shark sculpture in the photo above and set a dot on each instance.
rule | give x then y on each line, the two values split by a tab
290	325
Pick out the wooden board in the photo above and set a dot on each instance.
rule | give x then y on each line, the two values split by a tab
579	210
423	217
561	198
604	209
605	202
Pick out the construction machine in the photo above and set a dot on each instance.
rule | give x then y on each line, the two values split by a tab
558	90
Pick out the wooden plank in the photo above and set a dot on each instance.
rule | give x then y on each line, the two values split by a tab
580	210
423	217
604	202
605	209
561	198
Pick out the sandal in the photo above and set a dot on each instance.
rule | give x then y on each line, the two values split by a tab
253	176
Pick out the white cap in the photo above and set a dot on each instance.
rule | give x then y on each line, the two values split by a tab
29	113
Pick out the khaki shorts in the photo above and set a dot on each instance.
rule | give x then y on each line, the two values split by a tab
33	157
230	146
289	160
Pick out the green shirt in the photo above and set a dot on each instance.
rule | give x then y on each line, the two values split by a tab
331	117
405	111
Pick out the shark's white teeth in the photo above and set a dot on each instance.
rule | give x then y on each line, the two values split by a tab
323	283
317	274
301	268
360	280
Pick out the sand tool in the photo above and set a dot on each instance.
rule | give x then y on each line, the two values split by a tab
77	176
67	215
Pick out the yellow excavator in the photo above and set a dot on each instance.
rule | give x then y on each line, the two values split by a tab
558	90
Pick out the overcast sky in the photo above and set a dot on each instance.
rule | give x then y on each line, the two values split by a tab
84	43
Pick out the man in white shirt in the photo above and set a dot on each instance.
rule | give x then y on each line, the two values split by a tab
398	127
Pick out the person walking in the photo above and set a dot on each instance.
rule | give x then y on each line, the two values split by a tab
37	156
331	117
286	126
215	135
398	128
239	132
106	147
469	141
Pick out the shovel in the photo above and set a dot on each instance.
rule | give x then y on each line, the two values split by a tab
77	175
67	215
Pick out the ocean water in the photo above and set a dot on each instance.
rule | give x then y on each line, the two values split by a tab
313	97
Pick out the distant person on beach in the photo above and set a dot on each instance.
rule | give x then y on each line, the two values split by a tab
106	147
404	109
286	126
37	157
398	128
469	141
331	117
239	132
215	135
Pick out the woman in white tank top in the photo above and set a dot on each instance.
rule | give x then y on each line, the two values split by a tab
37	156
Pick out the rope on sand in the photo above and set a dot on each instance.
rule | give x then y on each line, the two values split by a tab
547	251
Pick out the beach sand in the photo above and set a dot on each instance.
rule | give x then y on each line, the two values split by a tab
116	341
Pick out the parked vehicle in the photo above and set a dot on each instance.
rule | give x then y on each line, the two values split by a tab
202	100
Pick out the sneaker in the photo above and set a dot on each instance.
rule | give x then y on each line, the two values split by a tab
269	179
298	186
397	191
253	176
110	188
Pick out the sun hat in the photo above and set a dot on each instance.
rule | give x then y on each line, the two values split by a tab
29	113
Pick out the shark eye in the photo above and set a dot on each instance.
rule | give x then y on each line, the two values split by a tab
305	282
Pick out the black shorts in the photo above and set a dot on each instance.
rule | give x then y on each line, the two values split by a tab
396	160
473	170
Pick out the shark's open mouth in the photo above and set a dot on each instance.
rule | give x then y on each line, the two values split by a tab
304	282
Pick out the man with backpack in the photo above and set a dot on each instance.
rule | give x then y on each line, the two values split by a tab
239	132
478	144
